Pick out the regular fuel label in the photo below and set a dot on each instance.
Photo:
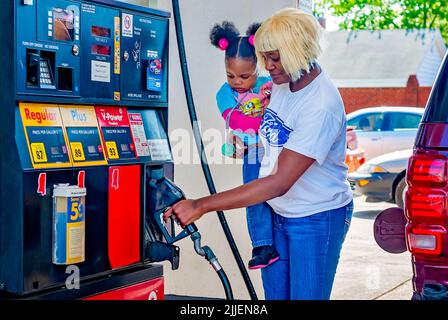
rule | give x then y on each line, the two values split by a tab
43	127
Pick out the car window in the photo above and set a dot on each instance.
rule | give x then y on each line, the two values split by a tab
404	121
367	122
437	109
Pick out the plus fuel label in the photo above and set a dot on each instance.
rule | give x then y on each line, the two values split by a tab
83	135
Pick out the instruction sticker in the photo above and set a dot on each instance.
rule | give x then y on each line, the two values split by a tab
100	71
159	149
127	25
139	134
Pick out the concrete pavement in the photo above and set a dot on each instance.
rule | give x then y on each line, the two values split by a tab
365	271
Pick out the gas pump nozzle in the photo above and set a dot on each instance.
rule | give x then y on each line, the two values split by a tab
162	195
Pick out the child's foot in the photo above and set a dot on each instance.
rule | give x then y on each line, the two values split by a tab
263	256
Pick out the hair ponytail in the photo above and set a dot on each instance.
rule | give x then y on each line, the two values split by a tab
252	29
226	37
222	35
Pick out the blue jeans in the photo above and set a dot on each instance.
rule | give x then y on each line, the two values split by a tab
309	251
259	216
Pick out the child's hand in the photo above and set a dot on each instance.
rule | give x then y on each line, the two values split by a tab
239	145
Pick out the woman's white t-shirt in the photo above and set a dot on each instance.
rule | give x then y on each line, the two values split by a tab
311	122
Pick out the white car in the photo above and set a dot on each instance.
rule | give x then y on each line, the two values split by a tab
382	178
383	130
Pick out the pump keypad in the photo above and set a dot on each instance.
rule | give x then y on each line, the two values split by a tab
46	80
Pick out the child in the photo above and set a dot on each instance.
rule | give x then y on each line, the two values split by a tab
242	101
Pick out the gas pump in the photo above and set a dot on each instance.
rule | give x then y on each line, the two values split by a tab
84	113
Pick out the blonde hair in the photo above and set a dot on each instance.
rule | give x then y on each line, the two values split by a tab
296	35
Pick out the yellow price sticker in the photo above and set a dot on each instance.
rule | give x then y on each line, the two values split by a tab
77	151
38	152
112	150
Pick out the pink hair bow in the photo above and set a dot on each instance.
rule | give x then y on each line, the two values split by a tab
223	44
252	39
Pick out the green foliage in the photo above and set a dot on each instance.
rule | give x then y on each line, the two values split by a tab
388	14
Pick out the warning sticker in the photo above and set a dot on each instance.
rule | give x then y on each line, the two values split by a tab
138	131
127	26
76	236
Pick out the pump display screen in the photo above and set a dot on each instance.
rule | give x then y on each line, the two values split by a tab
63	25
100	50
100	32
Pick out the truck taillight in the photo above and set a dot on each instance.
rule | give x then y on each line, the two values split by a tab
427	170
425	203
426	240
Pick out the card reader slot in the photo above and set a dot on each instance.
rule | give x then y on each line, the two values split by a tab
32	68
65	79
40	69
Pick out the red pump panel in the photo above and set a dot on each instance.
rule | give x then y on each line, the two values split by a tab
148	290
124	215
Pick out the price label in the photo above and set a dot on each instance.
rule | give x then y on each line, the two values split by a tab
77	151
38	151
112	150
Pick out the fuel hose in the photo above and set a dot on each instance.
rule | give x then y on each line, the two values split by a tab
201	149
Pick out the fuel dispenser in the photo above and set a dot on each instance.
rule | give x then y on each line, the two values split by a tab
84	97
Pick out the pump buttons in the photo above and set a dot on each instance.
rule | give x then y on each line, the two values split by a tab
126	55
75	50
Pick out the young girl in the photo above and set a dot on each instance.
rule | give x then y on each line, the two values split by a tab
242	101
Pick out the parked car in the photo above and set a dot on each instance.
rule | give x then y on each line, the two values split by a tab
382	178
381	130
422	228
355	155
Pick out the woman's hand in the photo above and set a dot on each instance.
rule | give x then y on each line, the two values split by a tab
185	212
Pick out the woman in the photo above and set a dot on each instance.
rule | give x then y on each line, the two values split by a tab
303	174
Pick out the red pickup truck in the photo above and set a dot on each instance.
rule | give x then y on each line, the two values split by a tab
422	227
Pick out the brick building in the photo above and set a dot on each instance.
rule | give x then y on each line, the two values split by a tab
383	68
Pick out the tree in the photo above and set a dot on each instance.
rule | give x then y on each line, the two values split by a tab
388	14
